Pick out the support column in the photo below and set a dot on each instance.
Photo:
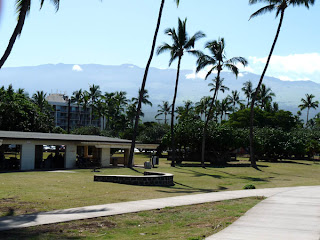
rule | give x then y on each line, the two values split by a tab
105	157
85	152
27	156
71	156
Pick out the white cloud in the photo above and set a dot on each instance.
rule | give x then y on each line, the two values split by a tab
77	68
290	68
201	74
240	75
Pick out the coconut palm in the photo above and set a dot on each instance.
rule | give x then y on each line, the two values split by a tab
23	9
39	98
202	106
234	99
94	93
77	98
279	6
85	105
144	80
265	95
217	61
164	109
225	107
182	44
248	90
308	103
145	98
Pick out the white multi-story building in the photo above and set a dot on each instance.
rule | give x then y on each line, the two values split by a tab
78	117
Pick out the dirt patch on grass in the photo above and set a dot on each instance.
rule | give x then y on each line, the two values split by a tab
13	206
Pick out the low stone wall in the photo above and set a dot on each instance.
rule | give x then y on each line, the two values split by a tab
149	179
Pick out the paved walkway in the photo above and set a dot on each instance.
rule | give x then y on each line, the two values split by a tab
293	212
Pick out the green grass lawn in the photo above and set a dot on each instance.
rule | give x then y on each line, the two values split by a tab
27	192
187	222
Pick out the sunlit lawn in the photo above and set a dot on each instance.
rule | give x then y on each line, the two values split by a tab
26	192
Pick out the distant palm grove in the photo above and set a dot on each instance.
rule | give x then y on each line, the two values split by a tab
210	130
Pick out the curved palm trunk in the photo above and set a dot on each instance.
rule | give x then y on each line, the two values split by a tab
204	134
173	147
134	135
15	33
252	157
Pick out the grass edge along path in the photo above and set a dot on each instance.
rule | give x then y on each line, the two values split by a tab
191	222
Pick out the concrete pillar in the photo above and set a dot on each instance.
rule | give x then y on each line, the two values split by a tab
105	157
27	156
71	156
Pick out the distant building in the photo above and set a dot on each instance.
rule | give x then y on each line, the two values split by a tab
78	117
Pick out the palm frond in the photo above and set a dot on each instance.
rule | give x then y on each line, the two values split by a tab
263	10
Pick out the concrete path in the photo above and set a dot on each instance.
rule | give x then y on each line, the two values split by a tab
7	223
293	214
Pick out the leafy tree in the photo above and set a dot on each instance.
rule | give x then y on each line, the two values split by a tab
308	103
217	61
20	113
164	109
144	80
23	9
182	44
279	6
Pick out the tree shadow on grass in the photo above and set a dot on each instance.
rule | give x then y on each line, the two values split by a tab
290	162
240	165
183	188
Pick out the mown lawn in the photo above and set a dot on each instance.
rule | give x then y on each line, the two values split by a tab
187	222
27	192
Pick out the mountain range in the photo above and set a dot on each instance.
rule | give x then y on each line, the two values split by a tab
66	78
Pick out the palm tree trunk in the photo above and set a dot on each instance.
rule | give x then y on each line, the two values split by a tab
307	116
204	134
165	118
16	32
134	136
252	157
173	147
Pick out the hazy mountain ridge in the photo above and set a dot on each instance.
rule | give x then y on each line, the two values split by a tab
66	78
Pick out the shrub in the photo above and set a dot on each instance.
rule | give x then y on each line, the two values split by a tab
249	186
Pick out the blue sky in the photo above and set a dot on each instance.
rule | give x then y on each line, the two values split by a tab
118	32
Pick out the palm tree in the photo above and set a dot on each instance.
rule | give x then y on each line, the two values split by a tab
94	93
234	99
39	98
308	103
109	99
202	106
23	9
164	110
85	105
225	107
143	84
248	90
217	61
182	44
145	98
279	6
78	98
265	95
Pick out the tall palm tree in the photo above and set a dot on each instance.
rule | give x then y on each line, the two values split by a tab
23	9
248	90
308	103
144	80
94	93
279	6
202	106
225	107
265	95
182	44
234	99
39	98
217	61
164	109
85	105
77	98
145	98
